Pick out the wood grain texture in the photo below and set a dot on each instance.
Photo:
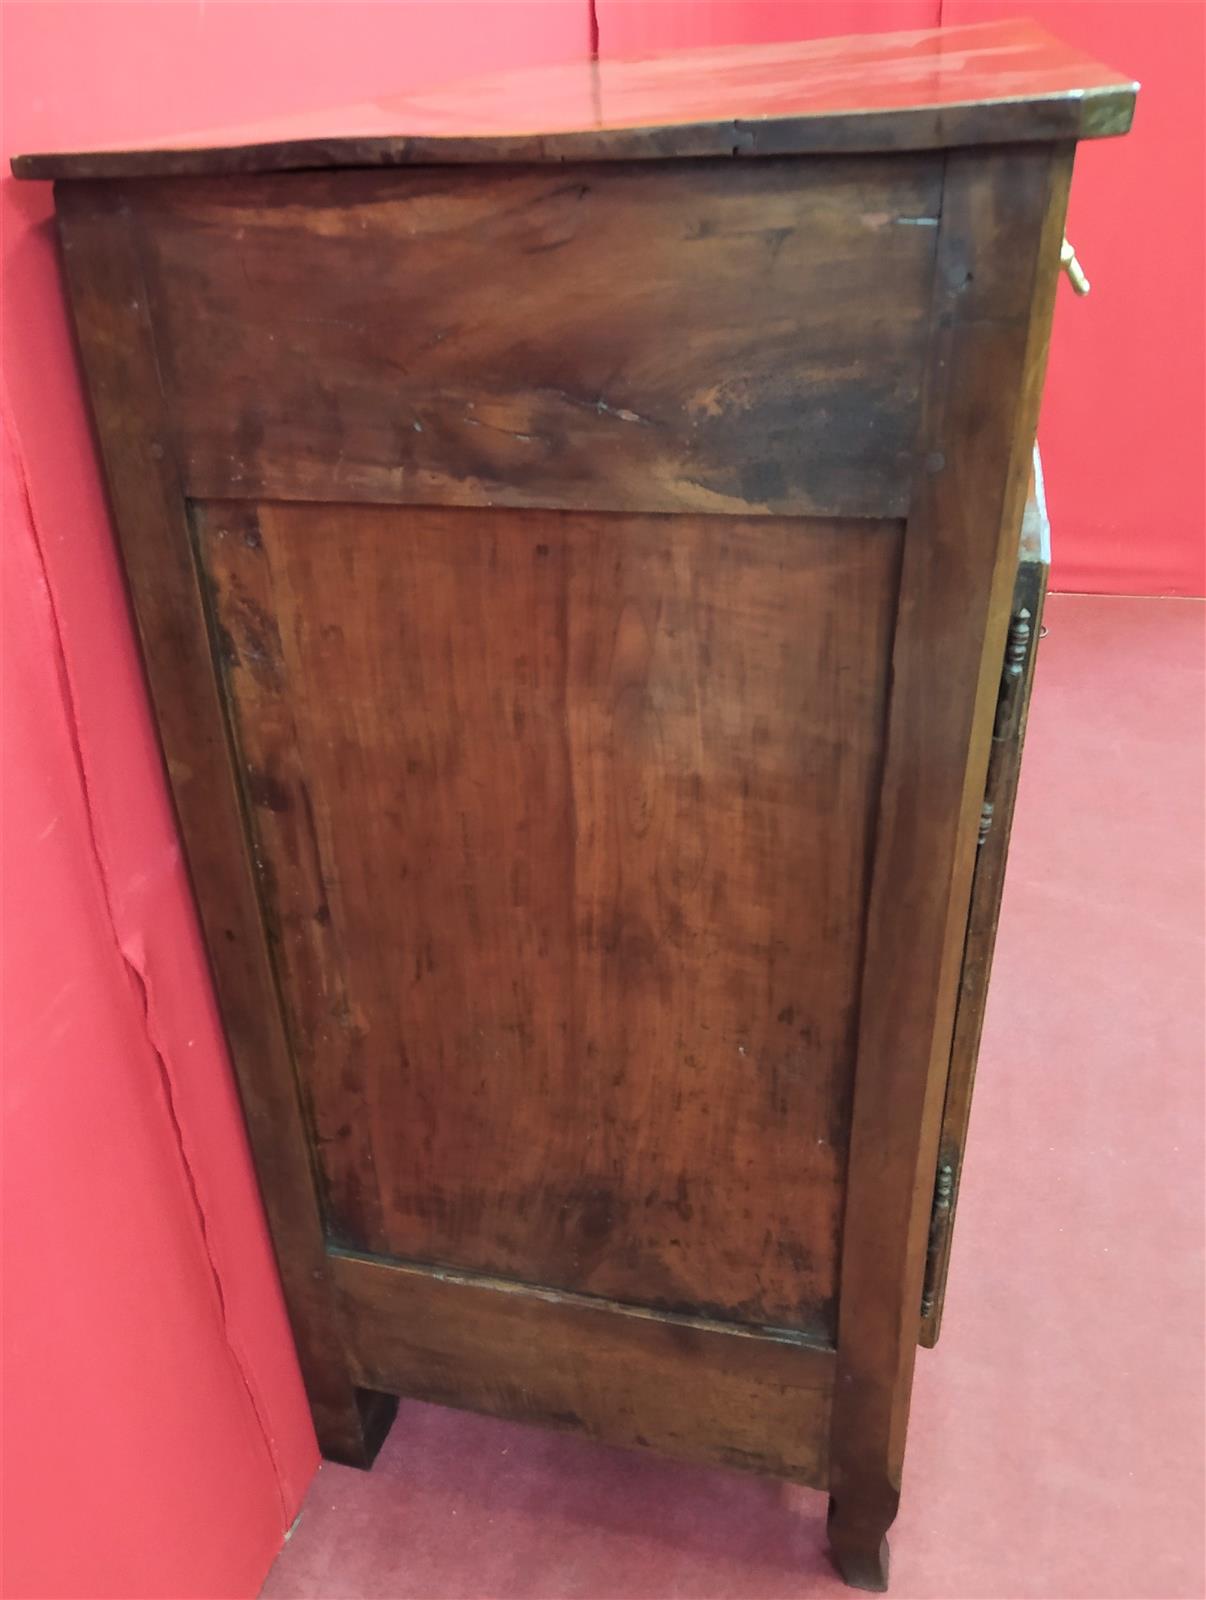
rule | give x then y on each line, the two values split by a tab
574	601
987	364
109	303
988	881
684	1387
563	821
987	83
651	338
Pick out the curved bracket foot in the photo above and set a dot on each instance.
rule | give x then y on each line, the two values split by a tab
859	1545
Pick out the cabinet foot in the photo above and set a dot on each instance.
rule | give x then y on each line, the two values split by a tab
353	1432
858	1543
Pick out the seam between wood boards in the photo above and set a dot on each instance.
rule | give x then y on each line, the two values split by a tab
576	1300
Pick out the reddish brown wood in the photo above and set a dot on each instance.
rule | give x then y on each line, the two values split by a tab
109	302
582	807
988	83
555	1010
686	1387
672	341
987	362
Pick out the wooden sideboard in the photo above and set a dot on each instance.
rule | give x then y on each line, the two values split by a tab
573	527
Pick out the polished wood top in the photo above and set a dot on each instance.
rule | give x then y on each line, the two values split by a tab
988	83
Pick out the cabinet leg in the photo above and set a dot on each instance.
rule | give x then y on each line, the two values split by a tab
858	1538
353	1430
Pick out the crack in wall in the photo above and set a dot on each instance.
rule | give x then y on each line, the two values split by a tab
137	976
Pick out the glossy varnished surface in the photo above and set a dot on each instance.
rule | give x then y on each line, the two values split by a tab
998	82
563	823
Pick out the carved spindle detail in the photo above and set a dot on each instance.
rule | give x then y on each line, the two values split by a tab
985	822
940	1218
1017	651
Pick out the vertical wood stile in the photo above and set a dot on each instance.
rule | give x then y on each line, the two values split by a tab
150	513
988	352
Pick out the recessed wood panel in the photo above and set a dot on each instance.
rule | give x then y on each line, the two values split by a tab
562	824
626	337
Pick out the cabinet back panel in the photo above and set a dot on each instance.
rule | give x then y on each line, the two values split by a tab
648	338
562	823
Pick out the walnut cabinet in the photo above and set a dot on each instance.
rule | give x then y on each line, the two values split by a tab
573	528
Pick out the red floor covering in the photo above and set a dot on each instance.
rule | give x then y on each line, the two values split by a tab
1056	1444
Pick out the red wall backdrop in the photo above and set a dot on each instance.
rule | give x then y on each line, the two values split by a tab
1123	428
157	1442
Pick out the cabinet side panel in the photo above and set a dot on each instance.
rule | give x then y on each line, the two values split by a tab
563	822
697	336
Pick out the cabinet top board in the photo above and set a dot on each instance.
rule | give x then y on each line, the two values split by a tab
989	83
